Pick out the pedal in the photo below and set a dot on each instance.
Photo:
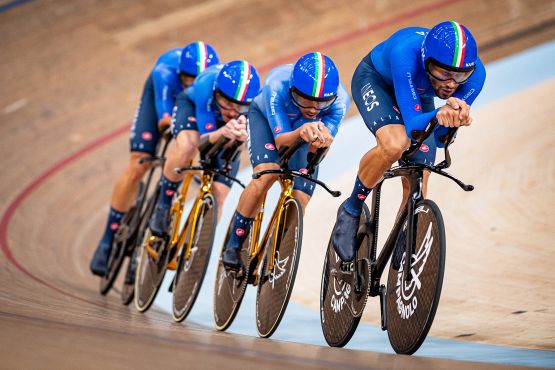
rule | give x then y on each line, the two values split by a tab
153	253
172	265
383	307
346	276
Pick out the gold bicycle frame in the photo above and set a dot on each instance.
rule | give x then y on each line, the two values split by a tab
255	247
176	212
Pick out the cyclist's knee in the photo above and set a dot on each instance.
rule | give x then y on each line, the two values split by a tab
136	170
187	145
265	182
393	147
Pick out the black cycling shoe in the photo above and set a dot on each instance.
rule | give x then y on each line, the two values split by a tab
399	250
344	234
232	258
159	220
99	262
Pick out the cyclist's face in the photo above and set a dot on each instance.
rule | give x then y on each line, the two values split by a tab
186	81
309	108
229	109
444	82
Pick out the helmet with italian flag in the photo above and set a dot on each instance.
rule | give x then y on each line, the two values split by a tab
238	81
196	57
451	46
315	77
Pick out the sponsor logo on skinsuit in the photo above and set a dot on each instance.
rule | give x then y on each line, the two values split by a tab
146	136
424	148
240	232
417	107
361	196
269	146
209	126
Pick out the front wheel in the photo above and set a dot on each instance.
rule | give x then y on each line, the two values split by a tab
119	246
411	305
342	295
275	285
230	286
190	271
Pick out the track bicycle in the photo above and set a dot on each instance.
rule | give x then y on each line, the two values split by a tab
270	263
130	233
410	299
186	250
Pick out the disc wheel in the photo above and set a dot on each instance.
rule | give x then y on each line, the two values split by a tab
190	271
411	305
230	286
341	303
275	286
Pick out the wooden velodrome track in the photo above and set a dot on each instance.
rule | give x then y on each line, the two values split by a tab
71	76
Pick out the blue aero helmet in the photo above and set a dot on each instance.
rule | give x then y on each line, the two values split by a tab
196	57
315	78
238	81
451	46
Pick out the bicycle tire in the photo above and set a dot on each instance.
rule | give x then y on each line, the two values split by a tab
340	306
117	254
230	286
411	310
275	287
128	286
190	273
150	273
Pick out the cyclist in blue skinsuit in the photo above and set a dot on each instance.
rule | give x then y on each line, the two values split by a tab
215	105
393	88
173	71
302	101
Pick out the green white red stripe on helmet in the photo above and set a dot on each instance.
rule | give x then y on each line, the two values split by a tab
319	72
243	85
460	45
202	52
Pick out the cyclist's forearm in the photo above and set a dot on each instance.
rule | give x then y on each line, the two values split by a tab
287	138
213	136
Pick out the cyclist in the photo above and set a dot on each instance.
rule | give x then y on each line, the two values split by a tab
215	105
173	71
393	88
302	101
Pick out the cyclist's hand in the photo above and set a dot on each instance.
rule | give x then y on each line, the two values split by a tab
448	116
463	108
326	135
236	129
310	132
164	123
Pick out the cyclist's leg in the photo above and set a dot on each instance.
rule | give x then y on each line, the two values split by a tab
264	156
377	106
185	133
222	185
143	139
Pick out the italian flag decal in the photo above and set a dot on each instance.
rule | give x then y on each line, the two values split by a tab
243	85
318	87
460	45
202	53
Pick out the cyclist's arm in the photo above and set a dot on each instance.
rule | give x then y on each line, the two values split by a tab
206	119
467	92
403	71
163	94
332	117
277	118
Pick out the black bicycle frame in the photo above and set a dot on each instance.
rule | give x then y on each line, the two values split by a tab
414	174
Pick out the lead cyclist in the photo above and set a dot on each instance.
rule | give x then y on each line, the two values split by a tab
394	88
